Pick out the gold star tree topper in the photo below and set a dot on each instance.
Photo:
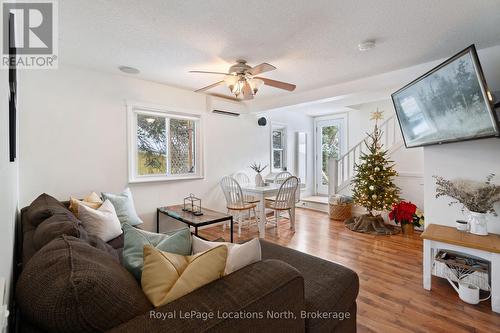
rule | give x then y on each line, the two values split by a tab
377	115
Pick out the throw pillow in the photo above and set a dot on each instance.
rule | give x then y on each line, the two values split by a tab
239	255
101	222
92	200
124	206
168	276
69	286
134	240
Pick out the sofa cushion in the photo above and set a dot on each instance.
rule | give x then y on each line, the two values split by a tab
327	285
70	286
44	207
117	243
55	226
98	243
178	242
269	285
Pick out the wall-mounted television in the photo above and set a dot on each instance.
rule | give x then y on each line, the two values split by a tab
447	104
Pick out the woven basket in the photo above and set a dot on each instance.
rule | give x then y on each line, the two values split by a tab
340	212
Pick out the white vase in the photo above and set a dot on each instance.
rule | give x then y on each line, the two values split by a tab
477	224
258	180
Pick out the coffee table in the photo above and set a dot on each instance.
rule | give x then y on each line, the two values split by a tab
209	217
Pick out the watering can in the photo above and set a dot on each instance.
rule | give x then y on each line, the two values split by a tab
467	292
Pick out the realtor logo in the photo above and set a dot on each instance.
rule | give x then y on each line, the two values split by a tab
29	34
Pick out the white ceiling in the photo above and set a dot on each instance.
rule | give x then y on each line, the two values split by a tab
313	43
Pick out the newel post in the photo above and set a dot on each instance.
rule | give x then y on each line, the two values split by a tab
333	176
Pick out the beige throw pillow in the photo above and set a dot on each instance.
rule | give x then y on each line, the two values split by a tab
238	256
168	276
102	222
92	200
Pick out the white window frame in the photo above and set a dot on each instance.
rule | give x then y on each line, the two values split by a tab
283	128
133	109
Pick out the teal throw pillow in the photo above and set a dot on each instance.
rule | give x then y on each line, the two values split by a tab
124	206
177	242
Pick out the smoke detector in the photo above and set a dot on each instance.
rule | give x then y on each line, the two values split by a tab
129	70
366	45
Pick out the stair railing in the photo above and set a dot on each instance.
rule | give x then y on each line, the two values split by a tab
342	170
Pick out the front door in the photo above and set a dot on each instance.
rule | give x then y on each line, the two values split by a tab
330	143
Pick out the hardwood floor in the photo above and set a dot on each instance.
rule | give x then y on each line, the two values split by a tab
391	297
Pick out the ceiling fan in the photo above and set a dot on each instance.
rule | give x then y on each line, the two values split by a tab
242	81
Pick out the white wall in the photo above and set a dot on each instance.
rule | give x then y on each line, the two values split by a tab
468	160
472	160
8	190
74	138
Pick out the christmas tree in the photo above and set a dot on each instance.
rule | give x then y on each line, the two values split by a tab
373	184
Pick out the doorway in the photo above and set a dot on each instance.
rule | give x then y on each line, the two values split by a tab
331	142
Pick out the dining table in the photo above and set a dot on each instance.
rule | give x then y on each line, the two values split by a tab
261	192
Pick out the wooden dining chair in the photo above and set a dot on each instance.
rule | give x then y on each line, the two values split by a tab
281	177
243	179
285	200
235	202
278	180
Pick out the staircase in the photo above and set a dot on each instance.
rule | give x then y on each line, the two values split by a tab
341	170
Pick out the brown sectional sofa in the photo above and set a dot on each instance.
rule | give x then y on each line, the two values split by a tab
69	281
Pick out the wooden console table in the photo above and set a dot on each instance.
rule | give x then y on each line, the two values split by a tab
486	247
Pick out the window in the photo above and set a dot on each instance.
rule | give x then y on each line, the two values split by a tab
278	148
163	145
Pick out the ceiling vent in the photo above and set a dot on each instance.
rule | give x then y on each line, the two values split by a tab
226	113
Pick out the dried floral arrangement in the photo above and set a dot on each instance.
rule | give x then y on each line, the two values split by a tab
475	196
257	167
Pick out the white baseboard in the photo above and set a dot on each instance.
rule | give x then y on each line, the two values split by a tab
317	206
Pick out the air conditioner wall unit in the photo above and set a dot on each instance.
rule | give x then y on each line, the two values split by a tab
226	113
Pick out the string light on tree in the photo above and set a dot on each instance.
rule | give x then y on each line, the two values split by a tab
373	186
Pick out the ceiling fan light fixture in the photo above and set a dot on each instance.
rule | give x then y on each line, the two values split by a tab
238	88
255	84
235	83
231	81
243	82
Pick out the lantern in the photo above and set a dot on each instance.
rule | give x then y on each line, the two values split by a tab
192	204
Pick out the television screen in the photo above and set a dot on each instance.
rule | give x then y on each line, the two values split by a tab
449	103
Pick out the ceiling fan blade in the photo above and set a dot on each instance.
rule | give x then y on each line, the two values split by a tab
264	67
247	91
278	84
206	72
210	86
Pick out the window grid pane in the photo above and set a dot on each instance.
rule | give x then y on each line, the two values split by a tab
151	145
277	139
278	159
182	146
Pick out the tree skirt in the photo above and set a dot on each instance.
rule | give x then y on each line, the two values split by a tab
370	224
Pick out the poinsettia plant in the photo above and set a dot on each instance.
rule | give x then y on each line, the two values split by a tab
406	213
